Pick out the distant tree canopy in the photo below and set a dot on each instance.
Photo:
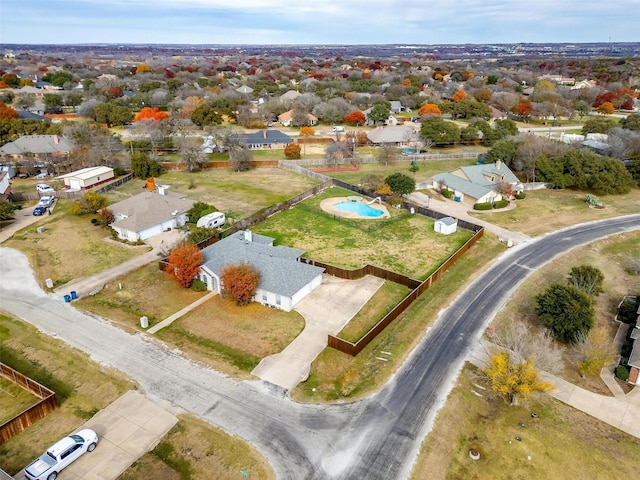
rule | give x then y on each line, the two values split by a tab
439	131
599	125
58	78
112	114
206	115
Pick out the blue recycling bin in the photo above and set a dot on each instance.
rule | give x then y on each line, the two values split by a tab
67	298
74	295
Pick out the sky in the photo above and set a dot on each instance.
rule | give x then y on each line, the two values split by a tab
322	22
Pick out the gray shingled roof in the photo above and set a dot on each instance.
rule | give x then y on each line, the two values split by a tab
148	209
460	184
267	136
38	144
280	272
398	134
634	358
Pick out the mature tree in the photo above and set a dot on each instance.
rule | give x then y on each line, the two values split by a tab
240	282
587	278
380	111
338	151
200	234
439	131
112	114
292	151
599	125
241	158
184	262
191	153
91	203
52	102
514	380
151	114
606	108
631	122
199	210
144	167
429	109
24	101
305	133
6	211
566	311
400	183
58	79
371	182
189	106
388	154
206	115
503	150
525	342
355	118
7	112
105	216
459	95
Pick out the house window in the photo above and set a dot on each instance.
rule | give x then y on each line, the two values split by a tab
278	299
264	297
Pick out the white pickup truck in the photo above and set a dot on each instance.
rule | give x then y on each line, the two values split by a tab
61	454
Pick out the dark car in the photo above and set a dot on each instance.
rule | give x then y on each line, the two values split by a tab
39	210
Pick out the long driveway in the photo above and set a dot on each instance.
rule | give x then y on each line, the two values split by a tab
376	438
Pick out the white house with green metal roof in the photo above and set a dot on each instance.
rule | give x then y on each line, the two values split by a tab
284	279
478	183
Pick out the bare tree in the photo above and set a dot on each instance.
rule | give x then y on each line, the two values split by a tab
192	155
241	158
519	338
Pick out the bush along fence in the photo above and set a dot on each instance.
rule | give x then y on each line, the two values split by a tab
34	413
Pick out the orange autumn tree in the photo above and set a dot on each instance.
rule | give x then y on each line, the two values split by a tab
459	96
606	108
184	263
240	282
355	118
429	109
148	113
7	112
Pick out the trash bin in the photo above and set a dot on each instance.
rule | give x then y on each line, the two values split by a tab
67	298
74	295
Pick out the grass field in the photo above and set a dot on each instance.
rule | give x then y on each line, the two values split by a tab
563	443
238	194
14	400
70	247
543	211
404	243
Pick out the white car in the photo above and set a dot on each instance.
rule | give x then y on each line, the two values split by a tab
61	454
44	188
47	200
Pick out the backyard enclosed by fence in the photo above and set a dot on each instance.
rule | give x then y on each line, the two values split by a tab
34	413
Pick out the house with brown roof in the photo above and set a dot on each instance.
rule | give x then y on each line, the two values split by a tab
286	118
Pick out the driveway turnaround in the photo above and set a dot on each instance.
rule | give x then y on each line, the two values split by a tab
326	311
127	429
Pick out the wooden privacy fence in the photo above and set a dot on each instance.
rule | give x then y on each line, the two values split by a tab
32	414
353	349
173	166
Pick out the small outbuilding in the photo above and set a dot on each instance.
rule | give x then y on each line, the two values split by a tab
446	225
86	178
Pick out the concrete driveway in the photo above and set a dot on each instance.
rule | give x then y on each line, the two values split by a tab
127	429
326	311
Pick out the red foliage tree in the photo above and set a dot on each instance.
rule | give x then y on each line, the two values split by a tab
355	118
184	263
240	282
148	113
115	92
523	109
7	113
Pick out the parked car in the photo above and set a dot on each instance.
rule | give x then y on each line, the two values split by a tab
44	188
47	200
39	210
61	454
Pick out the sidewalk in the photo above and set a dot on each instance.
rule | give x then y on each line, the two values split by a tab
622	412
169	320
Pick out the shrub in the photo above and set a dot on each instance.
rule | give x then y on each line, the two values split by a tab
198	285
521	195
94	221
447	193
482	206
501	203
414	168
622	372
627	311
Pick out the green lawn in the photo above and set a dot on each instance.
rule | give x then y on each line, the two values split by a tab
404	243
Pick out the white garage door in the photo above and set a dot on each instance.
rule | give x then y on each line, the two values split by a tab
74	184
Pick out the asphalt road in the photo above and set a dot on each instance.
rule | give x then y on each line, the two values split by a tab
376	438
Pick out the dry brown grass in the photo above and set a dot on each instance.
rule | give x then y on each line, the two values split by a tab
14	399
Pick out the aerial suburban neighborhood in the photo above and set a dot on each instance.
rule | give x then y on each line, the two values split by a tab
285	262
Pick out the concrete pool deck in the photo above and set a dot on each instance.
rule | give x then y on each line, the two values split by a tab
328	205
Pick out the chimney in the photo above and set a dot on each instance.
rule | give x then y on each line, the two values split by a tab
247	236
264	134
498	164
56	140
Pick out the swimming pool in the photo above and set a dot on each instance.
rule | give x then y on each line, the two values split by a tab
361	209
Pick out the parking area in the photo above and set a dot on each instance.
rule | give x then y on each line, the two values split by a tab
128	428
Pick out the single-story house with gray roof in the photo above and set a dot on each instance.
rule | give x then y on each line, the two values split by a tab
284	279
478	183
265	139
38	145
393	135
149	213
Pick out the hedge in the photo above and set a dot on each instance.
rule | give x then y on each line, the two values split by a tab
521	195
501	203
447	193
482	206
622	372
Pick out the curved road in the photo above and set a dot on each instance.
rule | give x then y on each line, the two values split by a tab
375	438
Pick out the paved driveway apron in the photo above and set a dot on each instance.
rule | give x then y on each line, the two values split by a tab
326	311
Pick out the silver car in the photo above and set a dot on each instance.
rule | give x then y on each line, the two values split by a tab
61	454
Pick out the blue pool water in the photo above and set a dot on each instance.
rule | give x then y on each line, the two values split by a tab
361	209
